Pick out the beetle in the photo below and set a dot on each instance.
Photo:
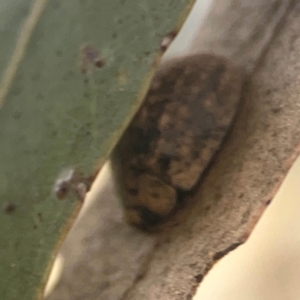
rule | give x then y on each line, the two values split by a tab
175	134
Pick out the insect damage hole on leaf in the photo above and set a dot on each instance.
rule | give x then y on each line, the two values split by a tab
71	181
167	40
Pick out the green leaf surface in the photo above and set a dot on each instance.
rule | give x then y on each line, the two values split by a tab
53	116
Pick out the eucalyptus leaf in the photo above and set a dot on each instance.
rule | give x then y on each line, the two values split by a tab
72	74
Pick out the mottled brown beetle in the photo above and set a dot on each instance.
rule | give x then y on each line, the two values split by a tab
174	135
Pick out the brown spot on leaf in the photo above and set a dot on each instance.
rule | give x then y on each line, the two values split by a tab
40	216
90	58
9	208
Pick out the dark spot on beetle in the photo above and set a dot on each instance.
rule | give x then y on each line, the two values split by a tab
195	153
207	208
136	171
211	86
222	128
149	217
144	137
180	195
10	208
164	161
241	195
34	227
179	171
204	135
198	277
133	192
187	164
154	195
218	255
189	121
